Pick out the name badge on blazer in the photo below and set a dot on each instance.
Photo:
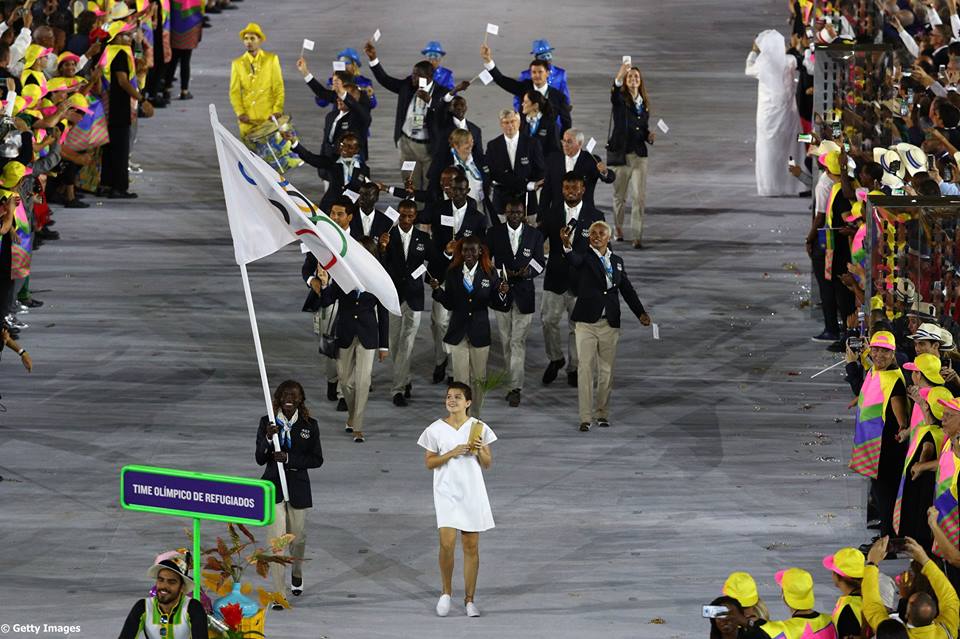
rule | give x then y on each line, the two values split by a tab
527	252
524	160
467	232
419	248
585	232
484	283
305	433
344	125
542	132
619	266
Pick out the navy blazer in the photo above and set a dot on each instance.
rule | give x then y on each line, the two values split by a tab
522	288
444	158
304	452
558	277
447	127
474	224
334	173
586	166
381	224
558	101
409	290
357	119
594	299
406	91
507	179
360	316
469	314
547	135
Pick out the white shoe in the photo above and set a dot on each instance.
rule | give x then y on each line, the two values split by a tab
443	606
472	610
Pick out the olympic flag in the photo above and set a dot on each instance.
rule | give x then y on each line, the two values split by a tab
266	213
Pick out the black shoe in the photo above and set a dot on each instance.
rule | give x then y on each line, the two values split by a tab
332	391
47	234
572	378
342	405
873	524
159	103
214	10
439	372
277	606
75	204
513	398
826	336
186	95
121	195
398	400
229	7
552	369
31	302
406	390
449	379
584	427
804	194
603	423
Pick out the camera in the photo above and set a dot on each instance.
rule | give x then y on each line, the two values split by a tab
855	344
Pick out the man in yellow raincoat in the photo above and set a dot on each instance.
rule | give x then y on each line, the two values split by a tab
256	82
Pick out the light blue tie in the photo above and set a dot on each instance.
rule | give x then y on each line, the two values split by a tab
467	284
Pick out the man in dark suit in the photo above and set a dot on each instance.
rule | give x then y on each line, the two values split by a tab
419	103
369	222
539	75
515	166
404	251
517	250
573	158
559	281
300	450
455	117
348	172
602	280
449	220
352	112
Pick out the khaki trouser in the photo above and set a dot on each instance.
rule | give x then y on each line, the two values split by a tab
470	367
513	327
288	520
439	322
355	368
596	345
553	308
633	175
419	153
403	334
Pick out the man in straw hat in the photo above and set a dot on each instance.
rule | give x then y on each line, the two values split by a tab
804	621
256	82
171	614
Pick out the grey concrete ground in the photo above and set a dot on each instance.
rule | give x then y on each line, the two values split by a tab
723	453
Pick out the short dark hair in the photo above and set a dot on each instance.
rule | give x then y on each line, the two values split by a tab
425	68
349	135
928	187
541	63
460	177
407	204
514	200
874	170
346	203
948	113
467	393
344	76
891	629
924	609
573	176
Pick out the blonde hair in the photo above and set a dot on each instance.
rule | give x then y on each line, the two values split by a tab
458	137
601	223
508	114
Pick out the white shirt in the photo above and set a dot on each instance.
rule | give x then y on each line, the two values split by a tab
460	124
605	261
366	219
573	213
514	236
512	148
333	127
405	240
468	273
542	90
458	215
822	192
417	109
570	162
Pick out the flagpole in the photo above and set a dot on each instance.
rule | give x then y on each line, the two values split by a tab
263	371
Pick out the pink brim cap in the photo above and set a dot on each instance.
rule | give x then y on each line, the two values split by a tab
779	577
925	391
831	565
950	403
910	366
883	345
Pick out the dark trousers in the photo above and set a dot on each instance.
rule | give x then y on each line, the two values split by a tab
884	493
828	297
181	57
115	172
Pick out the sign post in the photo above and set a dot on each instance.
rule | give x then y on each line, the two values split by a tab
183	493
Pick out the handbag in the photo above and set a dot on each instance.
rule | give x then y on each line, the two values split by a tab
328	336
616	154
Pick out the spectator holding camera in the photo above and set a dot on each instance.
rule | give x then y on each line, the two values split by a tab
804	620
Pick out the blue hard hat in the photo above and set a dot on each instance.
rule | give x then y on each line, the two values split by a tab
433	47
350	53
540	47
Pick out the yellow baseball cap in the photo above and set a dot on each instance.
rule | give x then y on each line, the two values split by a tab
952	404
33	52
831	162
742	587
846	562
928	365
883	339
932	395
876	303
255	29
797	586
13	172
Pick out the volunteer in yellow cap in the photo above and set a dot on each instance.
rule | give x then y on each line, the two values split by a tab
804	622
846	566
927	618
742	587
256	82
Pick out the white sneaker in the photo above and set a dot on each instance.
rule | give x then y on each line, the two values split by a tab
472	610
443	606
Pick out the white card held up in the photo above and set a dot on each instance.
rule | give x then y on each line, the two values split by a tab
656	331
353	195
535	265
663	126
446	220
376	35
409	165
627	60
303	248
420	270
307	45
422	82
485	77
493	29
392	213
339	66
591	145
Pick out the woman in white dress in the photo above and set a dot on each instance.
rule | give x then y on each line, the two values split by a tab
778	121
459	494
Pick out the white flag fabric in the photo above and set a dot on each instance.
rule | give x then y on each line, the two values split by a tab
266	213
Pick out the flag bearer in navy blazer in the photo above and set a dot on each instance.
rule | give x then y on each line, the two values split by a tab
470	288
559	282
404	251
517	250
346	172
602	280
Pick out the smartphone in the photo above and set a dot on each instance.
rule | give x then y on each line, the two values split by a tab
910	96
948	172
791	162
896	544
806	138
846	147
837	129
931	161
907	73
855	344
712	612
